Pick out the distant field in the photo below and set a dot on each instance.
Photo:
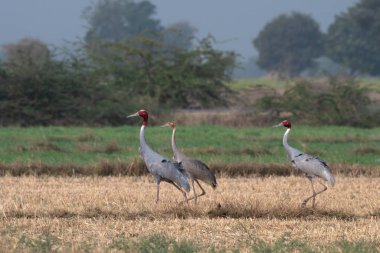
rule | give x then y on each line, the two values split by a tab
370	83
213	144
250	83
112	214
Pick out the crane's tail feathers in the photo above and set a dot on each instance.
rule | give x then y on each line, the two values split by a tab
332	181
187	188
330	178
214	184
185	185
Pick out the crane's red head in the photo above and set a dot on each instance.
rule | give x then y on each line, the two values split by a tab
143	114
285	123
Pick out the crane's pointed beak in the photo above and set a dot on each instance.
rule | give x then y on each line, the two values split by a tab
133	115
278	125
165	125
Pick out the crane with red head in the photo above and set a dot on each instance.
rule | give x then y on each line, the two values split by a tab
313	167
162	168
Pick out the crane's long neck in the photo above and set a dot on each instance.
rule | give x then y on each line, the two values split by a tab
142	137
177	154
285	142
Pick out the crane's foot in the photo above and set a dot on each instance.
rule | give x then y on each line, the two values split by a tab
303	204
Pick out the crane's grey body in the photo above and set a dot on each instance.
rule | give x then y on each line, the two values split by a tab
162	168
312	166
194	169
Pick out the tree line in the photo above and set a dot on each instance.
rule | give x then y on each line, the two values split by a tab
290	44
125	62
131	60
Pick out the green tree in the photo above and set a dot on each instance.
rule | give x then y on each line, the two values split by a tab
179	35
162	75
26	56
288	44
353	40
115	19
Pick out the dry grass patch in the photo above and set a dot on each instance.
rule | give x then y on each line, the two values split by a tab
252	169
97	210
136	167
365	150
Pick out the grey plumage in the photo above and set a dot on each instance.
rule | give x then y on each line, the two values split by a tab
312	166
162	168
194	169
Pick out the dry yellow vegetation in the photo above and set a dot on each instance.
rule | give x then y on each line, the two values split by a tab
96	210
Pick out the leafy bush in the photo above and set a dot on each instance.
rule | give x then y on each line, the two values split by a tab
339	102
283	244
360	246
120	243
286	244
48	91
162	243
44	243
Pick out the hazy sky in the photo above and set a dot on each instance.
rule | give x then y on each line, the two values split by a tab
234	23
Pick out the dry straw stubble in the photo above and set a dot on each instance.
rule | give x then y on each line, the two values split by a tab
98	209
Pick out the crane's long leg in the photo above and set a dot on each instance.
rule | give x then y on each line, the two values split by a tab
324	188
312	196
203	191
195	194
183	192
158	191
314	193
200	186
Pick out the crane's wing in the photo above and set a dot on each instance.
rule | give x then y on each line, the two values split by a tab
179	166
313	166
161	167
172	171
293	154
199	170
165	169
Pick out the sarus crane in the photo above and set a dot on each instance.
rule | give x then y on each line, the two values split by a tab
194	169
162	168
313	167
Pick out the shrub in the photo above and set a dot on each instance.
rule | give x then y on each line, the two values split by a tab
338	102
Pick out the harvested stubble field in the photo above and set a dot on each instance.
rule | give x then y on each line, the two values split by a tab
86	190
104	214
